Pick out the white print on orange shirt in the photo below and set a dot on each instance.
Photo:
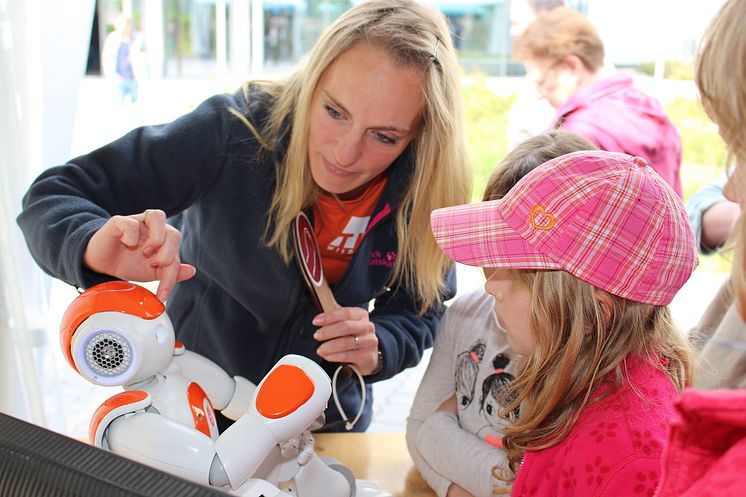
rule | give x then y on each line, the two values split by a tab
345	242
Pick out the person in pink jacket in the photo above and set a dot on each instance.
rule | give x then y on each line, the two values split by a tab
705	453
584	254
564	56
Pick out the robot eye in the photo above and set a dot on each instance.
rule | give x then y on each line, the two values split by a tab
160	333
108	354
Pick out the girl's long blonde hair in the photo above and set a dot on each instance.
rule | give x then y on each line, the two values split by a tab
414	36
721	79
578	344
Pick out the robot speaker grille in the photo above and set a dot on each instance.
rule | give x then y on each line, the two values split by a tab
108	354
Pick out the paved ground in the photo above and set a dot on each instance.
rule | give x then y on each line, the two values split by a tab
69	400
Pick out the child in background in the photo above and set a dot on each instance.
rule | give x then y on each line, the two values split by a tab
457	403
585	252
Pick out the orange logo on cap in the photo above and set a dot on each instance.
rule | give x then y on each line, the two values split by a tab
540	219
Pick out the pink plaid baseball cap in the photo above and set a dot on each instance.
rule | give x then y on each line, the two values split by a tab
607	218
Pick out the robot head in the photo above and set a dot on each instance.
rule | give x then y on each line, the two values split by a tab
117	333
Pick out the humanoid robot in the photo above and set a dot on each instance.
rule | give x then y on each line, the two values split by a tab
118	334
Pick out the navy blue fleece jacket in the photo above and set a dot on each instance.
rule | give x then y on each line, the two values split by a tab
245	308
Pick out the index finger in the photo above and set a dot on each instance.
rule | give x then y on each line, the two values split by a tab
169	275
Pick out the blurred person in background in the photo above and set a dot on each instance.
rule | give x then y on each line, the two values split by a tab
712	216
564	57
530	111
122	58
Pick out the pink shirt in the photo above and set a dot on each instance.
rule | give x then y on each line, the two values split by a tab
706	447
615	447
618	117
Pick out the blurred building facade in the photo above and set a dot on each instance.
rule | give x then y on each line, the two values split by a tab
238	38
218	38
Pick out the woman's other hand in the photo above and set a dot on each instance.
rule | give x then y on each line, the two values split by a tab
140	247
348	336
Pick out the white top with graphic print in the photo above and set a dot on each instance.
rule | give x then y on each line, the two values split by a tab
470	358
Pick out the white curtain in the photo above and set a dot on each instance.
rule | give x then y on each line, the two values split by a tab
43	52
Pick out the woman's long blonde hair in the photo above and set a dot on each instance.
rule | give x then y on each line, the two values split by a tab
721	79
578	345
415	36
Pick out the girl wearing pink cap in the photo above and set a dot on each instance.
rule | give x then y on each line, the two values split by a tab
456	409
585	252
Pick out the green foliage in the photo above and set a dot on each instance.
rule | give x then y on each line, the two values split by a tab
679	69
704	153
486	123
647	68
704	157
673	69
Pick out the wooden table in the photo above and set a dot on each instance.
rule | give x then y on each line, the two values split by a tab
381	458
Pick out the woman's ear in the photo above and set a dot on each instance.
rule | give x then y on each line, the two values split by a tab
573	75
607	306
574	64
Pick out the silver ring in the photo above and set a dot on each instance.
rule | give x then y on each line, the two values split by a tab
357	342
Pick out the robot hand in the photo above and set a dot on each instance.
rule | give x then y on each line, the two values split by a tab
300	447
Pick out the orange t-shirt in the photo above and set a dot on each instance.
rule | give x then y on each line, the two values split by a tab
339	226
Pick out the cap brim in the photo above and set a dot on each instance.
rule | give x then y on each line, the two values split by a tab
478	235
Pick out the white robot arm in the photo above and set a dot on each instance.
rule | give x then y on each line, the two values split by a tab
286	402
231	396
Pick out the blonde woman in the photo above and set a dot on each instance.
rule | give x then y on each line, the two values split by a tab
366	137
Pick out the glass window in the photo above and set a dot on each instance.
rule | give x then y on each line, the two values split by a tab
189	38
187	41
481	33
291	27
